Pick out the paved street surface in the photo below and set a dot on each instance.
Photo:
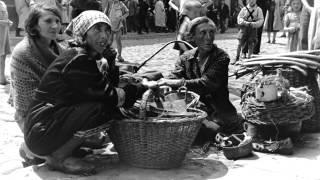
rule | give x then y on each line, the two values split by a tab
303	164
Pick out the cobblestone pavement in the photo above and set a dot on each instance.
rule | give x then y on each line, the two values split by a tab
136	50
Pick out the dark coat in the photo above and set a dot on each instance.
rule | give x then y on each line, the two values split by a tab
212	83
73	96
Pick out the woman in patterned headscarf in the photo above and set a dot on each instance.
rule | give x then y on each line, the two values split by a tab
74	99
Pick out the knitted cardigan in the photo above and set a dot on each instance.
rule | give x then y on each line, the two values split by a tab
27	68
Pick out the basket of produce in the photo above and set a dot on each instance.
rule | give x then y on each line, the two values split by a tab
289	106
235	146
159	138
301	69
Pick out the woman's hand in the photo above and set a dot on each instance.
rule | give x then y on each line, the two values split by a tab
171	82
149	84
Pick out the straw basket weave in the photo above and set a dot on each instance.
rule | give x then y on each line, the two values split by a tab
292	108
156	142
297	79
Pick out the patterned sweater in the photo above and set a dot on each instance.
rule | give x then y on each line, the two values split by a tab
27	68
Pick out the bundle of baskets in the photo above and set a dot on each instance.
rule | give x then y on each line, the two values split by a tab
161	141
296	107
301	69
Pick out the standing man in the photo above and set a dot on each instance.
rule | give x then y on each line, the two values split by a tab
22	9
143	16
224	16
132	18
263	4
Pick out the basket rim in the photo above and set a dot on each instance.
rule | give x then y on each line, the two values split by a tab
175	119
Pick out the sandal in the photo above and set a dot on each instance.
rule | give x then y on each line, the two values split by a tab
73	165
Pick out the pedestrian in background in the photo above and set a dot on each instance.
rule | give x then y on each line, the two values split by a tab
191	10
132	18
273	23
160	16
22	9
5	23
249	19
224	16
212	13
304	23
143	11
51	3
78	6
292	24
117	13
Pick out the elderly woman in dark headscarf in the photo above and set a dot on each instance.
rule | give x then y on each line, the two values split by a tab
74	98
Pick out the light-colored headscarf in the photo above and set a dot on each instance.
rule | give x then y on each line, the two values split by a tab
80	25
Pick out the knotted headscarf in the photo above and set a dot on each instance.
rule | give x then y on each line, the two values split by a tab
84	21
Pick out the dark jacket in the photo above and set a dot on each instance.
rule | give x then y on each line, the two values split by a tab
212	83
73	96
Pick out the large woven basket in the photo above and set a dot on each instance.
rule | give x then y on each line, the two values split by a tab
298	106
156	142
297	79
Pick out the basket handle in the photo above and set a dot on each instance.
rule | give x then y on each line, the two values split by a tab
155	92
194	101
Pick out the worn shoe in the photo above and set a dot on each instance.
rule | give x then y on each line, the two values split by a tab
284	146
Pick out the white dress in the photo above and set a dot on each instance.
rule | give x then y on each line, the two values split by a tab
4	30
314	27
160	14
23	10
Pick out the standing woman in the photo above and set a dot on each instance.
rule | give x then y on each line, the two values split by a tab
5	23
117	12
23	10
273	20
160	16
74	98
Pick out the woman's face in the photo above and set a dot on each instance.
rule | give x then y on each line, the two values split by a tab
98	37
204	36
296	5
48	25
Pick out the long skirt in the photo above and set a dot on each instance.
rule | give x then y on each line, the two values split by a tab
4	40
49	126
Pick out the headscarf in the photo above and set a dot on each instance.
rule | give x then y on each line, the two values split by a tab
80	25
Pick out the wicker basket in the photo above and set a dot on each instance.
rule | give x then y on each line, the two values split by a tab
295	107
297	79
156	142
